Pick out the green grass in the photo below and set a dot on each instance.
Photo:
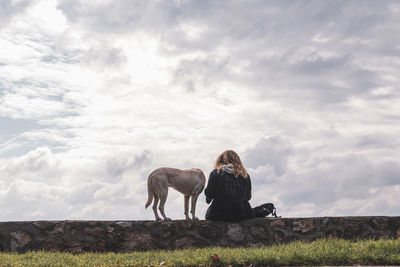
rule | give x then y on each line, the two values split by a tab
320	252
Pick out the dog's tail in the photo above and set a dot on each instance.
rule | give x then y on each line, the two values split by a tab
149	193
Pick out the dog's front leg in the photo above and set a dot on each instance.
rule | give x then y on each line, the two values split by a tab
187	207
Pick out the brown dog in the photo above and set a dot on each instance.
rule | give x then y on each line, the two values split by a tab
189	182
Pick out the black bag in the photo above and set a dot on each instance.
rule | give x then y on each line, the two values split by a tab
264	210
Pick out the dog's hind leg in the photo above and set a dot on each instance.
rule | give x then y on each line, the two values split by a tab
187	207
199	188
155	208
193	210
163	199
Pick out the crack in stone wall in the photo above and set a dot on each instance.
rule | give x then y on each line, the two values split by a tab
125	236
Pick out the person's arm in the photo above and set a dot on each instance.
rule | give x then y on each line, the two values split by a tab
211	188
248	188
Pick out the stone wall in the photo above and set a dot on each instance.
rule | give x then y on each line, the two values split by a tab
123	236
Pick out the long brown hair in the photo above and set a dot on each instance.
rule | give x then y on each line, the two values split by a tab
231	158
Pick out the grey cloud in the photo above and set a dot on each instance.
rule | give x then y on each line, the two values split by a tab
349	177
114	17
121	163
104	57
83	193
32	200
37	165
114	194
274	54
377	141
319	183
272	151
315	64
34	161
98	56
246	29
33	99
35	185
269	24
195	74
63	55
10	8
364	172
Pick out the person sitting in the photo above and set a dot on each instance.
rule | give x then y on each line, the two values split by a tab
229	189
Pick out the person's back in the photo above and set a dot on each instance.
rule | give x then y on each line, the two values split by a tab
230	196
229	189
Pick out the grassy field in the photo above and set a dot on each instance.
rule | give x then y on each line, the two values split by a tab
320	252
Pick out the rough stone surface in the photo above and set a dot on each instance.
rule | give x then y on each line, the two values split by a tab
124	236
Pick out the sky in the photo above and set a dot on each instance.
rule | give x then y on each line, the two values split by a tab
94	95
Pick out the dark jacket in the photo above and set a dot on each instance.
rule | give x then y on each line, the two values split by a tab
230	196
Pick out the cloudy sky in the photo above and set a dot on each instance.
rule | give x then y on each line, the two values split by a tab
94	95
